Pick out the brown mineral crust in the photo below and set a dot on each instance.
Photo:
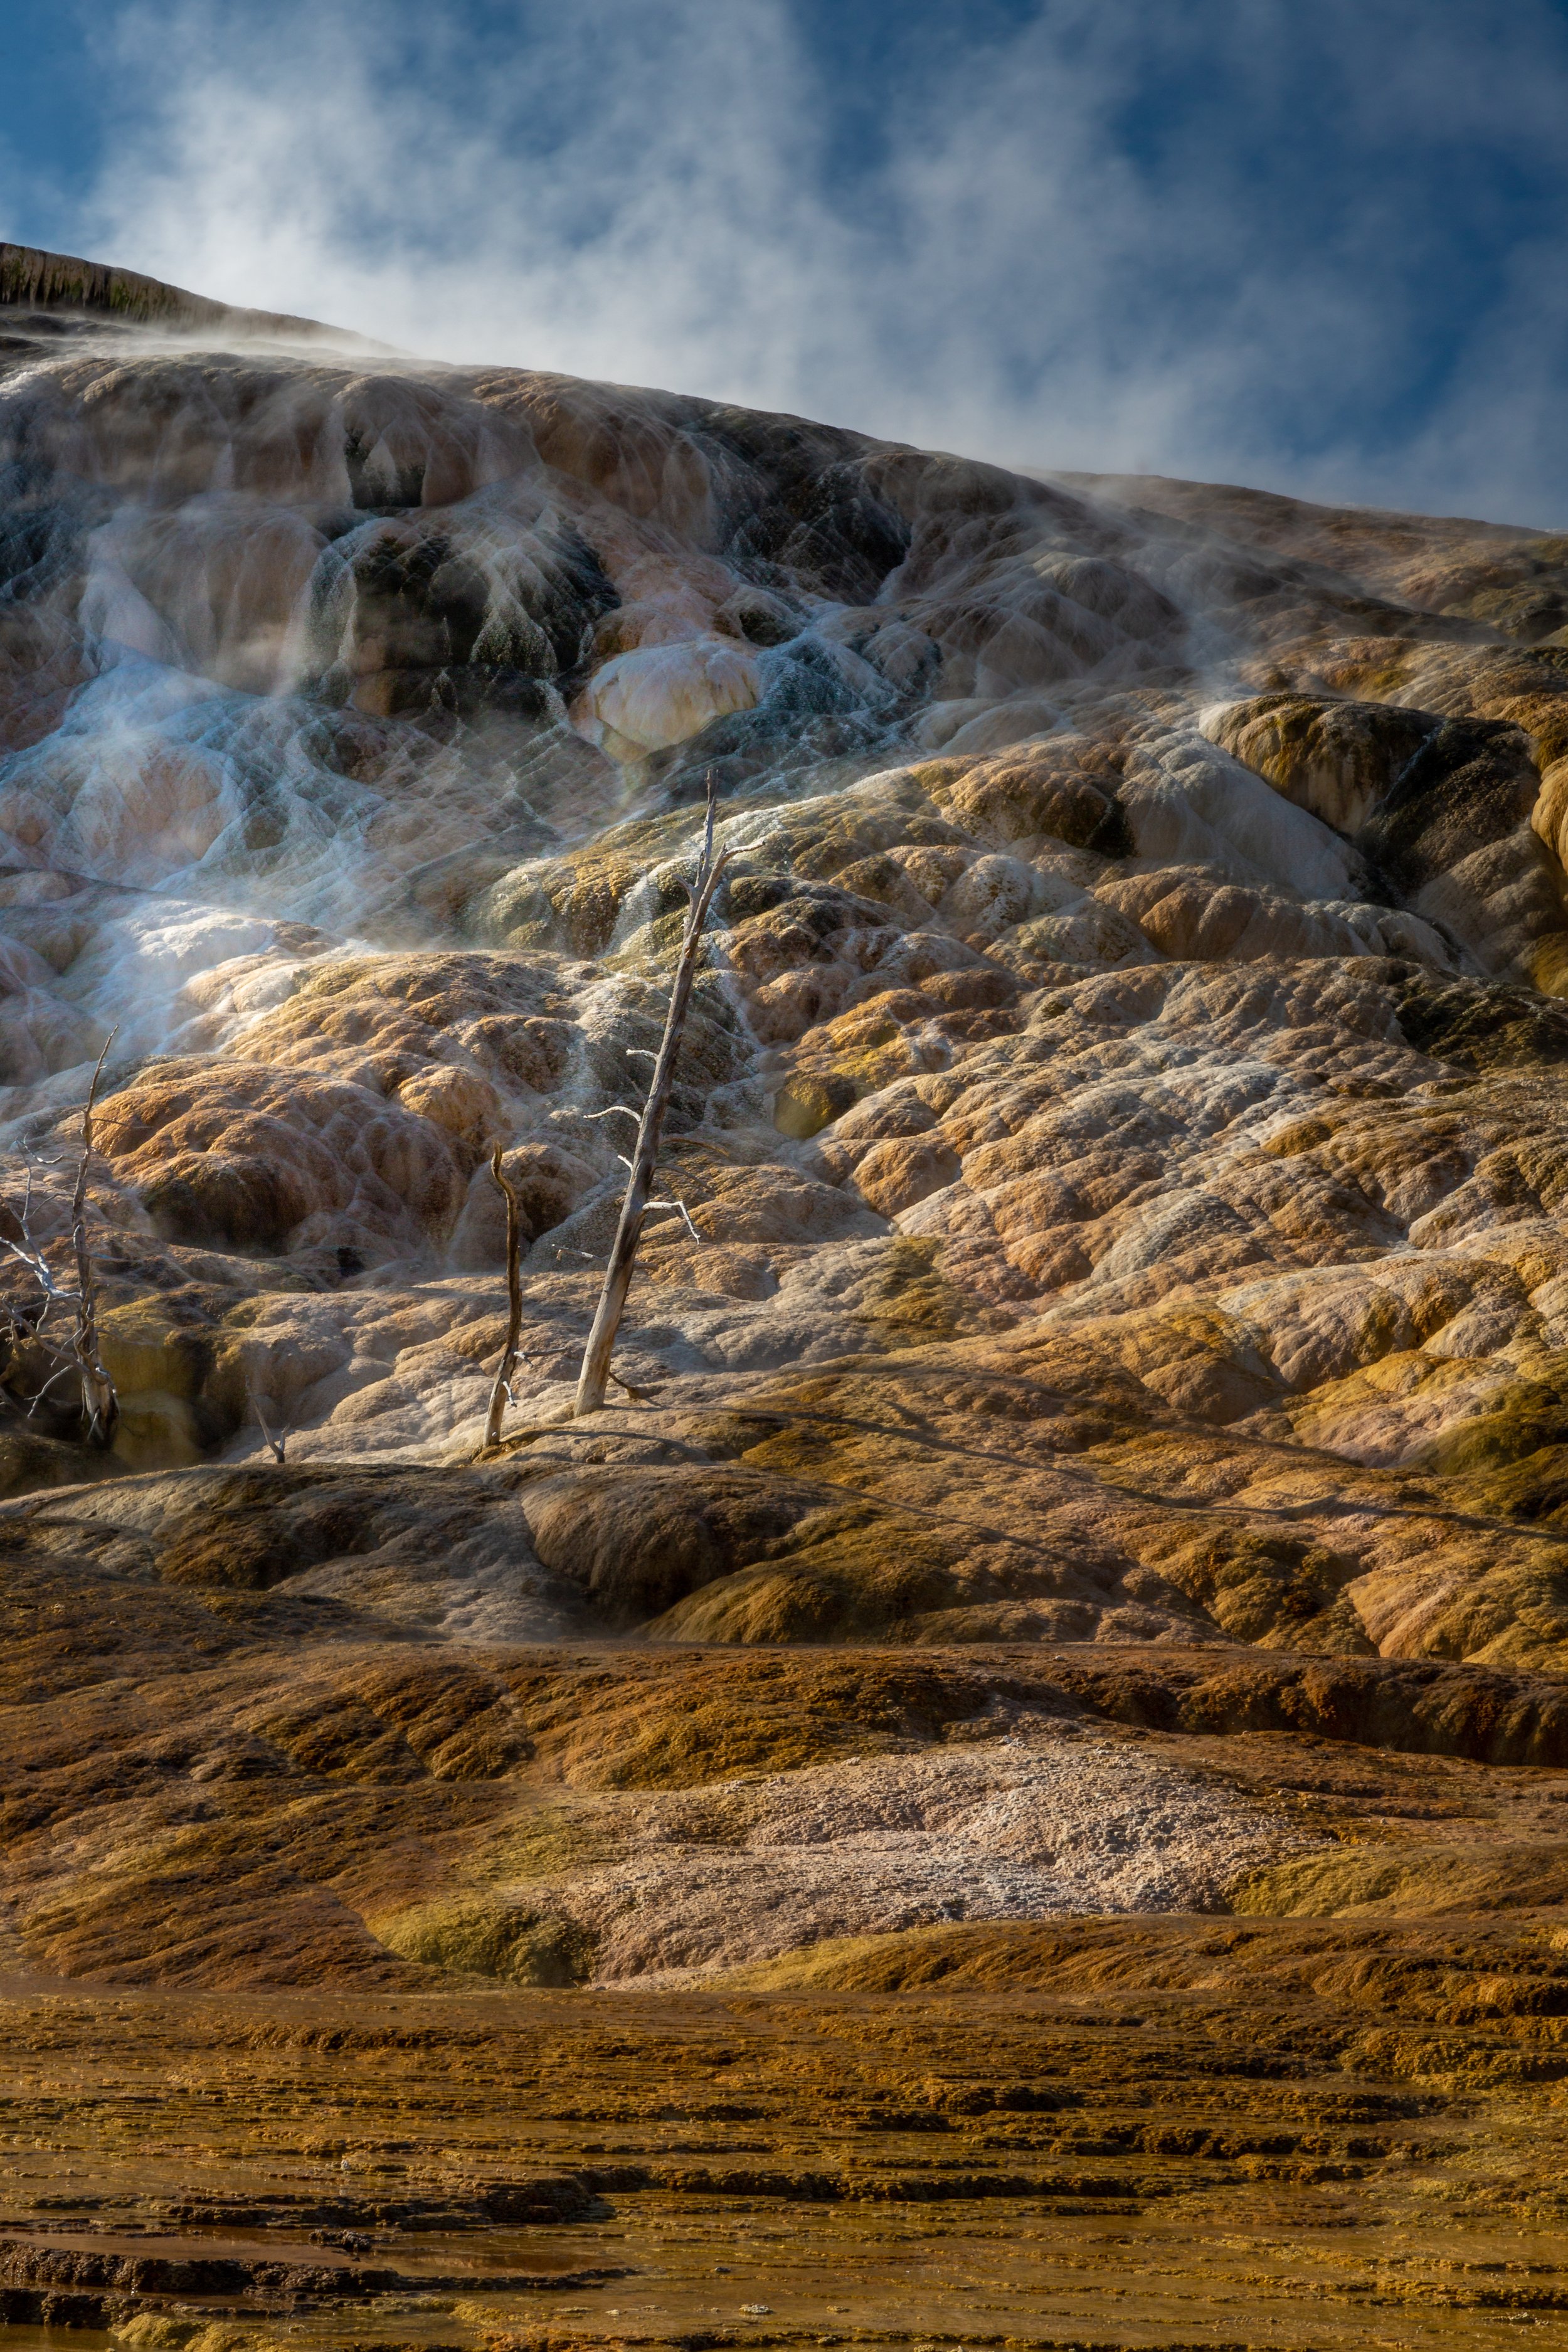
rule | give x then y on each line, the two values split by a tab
1043	1700
1230	2110
226	1155
237	1814
25	2265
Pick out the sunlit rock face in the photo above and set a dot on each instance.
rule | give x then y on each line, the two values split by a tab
1116	1180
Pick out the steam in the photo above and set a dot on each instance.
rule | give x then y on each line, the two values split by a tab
1280	284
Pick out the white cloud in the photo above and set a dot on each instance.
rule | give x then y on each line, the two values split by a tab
638	189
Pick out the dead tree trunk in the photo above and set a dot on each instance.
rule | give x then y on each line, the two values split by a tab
100	1403
500	1394
596	1374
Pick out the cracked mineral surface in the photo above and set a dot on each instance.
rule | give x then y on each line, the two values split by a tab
1012	1787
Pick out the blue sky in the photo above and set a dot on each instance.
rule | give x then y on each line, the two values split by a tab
1320	248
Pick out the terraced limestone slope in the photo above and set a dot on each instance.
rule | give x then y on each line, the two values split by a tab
1076	1564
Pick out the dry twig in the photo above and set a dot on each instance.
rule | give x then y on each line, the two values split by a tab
80	1354
276	1439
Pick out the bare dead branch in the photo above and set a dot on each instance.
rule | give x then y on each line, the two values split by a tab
595	1371
68	1371
27	1253
681	1210
276	1441
528	1356
37	1267
79	1356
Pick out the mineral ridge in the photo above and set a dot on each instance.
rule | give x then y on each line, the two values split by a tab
1092	1438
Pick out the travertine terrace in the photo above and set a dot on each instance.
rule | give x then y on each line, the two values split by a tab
1009	1788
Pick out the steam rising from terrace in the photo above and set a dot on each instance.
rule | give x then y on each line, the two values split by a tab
288	637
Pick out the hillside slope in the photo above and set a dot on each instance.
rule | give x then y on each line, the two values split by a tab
1120	1119
1030	1741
